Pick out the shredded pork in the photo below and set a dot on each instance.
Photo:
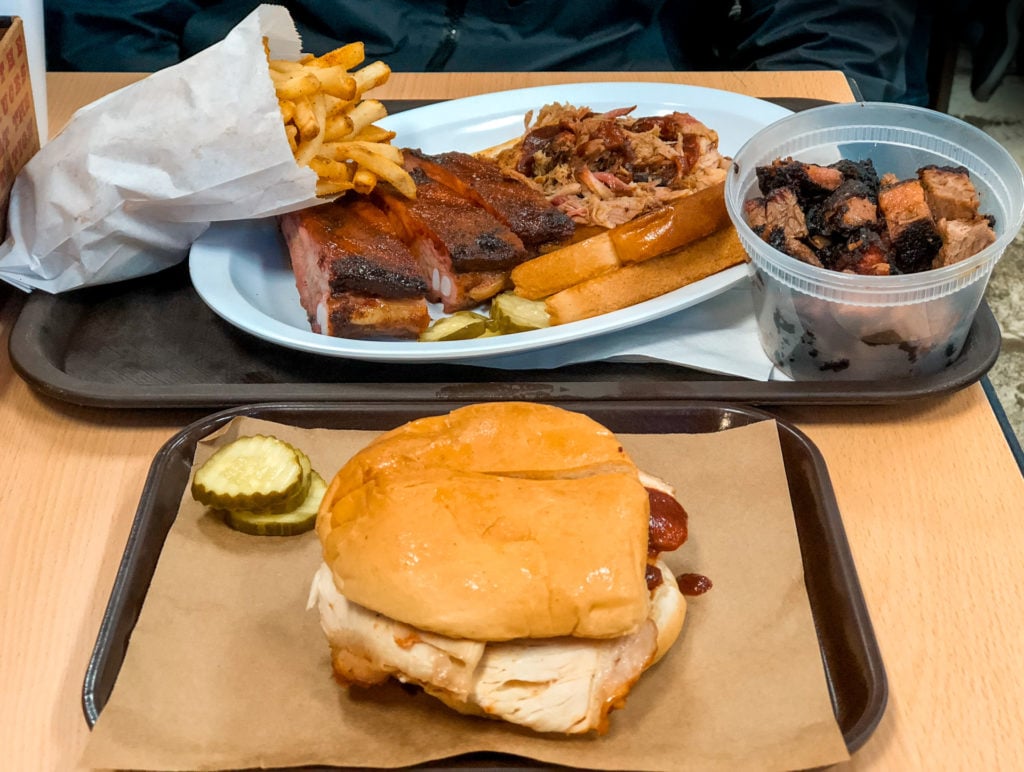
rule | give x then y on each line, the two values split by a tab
605	169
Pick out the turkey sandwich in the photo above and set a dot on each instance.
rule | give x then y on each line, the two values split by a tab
505	558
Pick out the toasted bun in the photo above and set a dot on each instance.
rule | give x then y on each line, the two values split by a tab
668	611
496	521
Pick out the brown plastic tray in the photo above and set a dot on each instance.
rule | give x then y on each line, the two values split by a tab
849	650
153	343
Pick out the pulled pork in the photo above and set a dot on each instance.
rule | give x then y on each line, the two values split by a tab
606	168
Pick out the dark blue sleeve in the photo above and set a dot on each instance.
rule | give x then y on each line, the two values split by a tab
878	44
115	36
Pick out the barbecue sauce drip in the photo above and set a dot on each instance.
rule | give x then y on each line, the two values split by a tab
653	577
667	529
693	584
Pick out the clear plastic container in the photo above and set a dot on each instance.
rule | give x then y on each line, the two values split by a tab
819	324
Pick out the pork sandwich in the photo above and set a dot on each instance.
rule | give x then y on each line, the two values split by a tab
505	558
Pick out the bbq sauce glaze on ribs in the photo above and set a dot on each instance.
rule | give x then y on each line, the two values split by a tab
367	267
846	217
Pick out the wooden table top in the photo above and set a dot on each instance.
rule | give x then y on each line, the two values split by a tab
930	494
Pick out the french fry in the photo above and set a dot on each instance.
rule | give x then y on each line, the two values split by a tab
385	168
364	181
309	147
335	81
364	113
329	124
374	134
356	151
285	67
642	281
346	57
295	86
332	187
372	75
327	169
305	119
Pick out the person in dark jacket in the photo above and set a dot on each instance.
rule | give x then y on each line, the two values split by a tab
870	41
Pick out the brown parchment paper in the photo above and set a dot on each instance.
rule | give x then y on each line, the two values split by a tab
227	669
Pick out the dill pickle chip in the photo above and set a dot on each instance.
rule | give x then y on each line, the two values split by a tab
512	313
298	520
257	472
462	325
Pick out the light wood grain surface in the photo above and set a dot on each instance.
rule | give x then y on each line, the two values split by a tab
930	494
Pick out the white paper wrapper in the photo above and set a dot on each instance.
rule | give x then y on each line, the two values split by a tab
136	176
716	336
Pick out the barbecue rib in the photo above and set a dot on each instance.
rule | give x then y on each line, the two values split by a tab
450	237
355	277
367	267
524	210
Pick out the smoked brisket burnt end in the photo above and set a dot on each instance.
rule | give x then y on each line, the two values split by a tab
867	224
811	183
913	235
949	192
849	207
525	211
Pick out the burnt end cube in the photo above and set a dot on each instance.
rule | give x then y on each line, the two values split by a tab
810	182
850	207
949	191
915	247
860	171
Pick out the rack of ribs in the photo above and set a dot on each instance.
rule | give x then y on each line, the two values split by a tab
367	267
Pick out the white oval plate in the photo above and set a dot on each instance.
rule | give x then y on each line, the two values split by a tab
242	272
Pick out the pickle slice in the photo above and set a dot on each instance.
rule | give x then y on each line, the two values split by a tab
299	520
462	325
257	472
512	313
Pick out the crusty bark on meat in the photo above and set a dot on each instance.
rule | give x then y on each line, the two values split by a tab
866	224
451	237
963	238
523	209
778	219
849	207
862	172
949	192
810	182
912	232
349	246
864	252
474	239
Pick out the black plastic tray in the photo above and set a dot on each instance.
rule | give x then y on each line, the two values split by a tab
849	650
153	343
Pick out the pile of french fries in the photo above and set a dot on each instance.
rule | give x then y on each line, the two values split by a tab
331	125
